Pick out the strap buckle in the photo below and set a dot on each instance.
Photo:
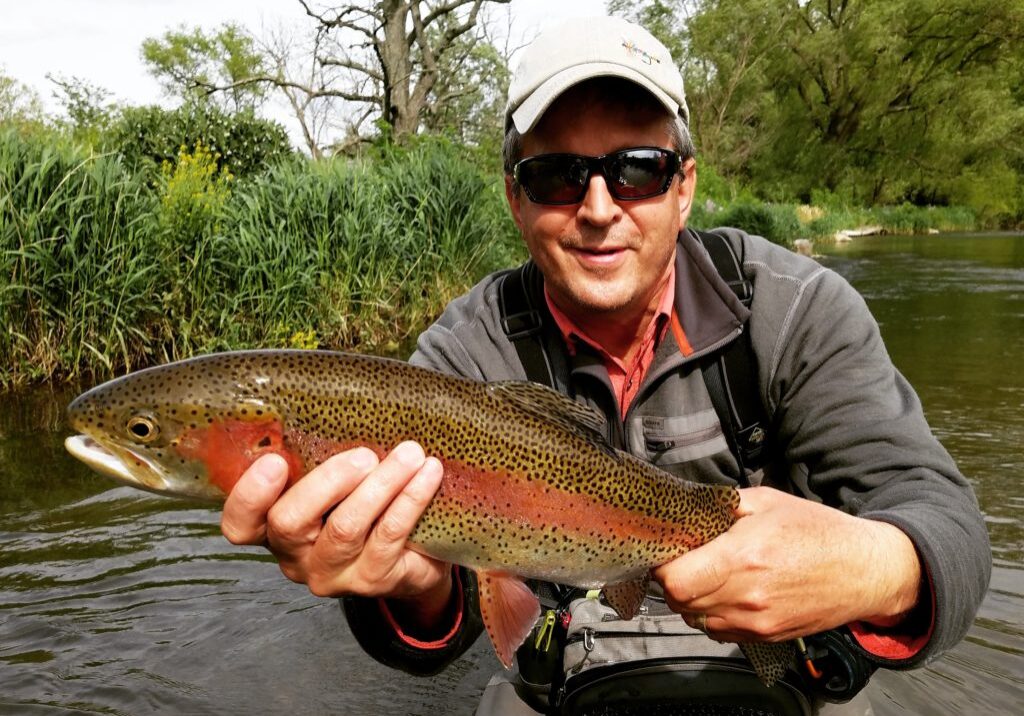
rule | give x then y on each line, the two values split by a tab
521	325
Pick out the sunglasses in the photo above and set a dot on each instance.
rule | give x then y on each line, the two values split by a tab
631	174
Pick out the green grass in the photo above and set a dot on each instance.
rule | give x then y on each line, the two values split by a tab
102	272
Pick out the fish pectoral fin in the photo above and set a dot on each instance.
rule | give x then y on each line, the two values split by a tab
509	610
769	660
626	597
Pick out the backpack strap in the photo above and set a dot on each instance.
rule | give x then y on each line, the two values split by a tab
731	374
523	323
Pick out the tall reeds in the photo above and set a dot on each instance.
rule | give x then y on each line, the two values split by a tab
102	271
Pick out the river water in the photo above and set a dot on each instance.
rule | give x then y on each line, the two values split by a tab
116	602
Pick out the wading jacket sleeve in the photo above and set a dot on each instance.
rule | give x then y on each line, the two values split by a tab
846	428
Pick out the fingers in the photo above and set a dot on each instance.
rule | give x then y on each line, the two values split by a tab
397	523
295	522
244	520
348	528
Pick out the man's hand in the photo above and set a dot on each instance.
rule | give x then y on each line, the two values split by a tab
360	547
791	567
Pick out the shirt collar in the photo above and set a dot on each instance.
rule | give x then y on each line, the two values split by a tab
573	333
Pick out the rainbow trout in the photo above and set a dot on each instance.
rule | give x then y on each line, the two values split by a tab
531	489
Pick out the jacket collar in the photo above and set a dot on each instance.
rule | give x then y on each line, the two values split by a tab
709	312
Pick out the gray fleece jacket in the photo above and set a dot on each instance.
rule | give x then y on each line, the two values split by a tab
846	428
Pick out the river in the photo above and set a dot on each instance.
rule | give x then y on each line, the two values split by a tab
116	602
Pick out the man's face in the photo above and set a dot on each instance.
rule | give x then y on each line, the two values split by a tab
603	255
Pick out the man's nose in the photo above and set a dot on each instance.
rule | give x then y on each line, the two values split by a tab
599	206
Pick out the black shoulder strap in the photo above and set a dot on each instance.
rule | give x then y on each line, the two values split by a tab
731	374
523	323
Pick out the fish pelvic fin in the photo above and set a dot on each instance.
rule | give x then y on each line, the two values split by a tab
769	660
626	597
509	611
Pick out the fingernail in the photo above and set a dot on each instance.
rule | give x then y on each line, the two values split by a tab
270	467
432	468
362	458
410	454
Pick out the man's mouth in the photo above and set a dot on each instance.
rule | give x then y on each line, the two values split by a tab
599	256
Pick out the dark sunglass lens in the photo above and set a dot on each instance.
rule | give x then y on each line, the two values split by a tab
554	179
640	173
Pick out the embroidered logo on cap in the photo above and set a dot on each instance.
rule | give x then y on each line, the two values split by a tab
636	51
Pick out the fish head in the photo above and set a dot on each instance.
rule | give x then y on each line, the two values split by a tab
179	429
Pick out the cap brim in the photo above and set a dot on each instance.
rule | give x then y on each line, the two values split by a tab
526	115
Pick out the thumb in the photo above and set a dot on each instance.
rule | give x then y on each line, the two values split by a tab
756	499
244	520
693	575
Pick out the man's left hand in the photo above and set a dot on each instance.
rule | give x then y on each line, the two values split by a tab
791	567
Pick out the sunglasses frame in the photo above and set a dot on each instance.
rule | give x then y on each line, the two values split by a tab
601	165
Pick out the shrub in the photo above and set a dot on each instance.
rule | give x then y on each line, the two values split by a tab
759	219
148	137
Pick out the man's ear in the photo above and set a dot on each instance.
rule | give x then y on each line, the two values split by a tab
687	189
514	196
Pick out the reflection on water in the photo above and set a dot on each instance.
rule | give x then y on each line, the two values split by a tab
116	602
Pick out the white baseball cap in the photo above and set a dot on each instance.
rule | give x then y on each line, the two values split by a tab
582	48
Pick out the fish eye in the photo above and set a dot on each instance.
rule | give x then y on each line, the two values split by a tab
143	428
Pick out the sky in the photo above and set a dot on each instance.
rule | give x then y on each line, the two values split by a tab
99	40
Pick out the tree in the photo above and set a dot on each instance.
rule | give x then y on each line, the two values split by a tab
399	48
371	62
212	67
89	110
470	94
876	101
19	104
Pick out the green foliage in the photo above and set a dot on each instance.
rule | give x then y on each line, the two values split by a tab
89	113
148	137
874	102
777	223
469	99
19	104
75	285
102	270
216	67
362	253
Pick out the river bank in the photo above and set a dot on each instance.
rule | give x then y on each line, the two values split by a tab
105	268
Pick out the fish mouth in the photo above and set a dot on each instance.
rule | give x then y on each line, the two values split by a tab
119	463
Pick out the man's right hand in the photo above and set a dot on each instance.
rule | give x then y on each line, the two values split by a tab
360	548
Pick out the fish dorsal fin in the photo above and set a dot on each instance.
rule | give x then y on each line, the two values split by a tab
626	597
769	660
509	610
550	405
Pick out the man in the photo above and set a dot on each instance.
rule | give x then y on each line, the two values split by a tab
867	521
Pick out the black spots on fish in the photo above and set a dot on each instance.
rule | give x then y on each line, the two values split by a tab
264	442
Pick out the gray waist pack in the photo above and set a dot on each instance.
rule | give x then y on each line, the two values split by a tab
656	664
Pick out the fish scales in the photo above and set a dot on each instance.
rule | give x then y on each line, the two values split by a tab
530	486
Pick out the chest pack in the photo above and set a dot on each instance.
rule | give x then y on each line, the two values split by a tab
730	374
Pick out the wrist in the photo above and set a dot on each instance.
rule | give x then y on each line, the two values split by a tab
897	575
429	611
